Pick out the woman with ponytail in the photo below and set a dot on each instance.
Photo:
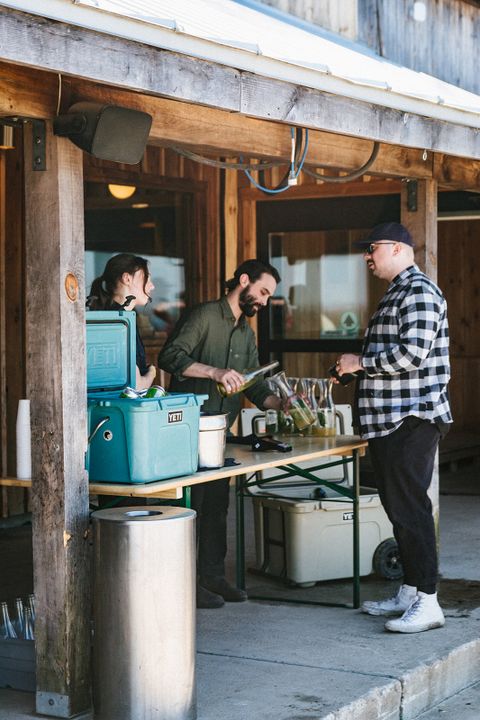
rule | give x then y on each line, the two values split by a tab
126	284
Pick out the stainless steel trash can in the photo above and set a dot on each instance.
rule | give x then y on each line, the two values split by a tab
144	614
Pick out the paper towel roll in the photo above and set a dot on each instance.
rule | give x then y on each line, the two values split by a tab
24	441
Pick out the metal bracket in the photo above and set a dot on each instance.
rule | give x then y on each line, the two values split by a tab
39	161
412	195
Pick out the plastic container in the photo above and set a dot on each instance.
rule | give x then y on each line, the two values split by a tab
212	440
133	440
143	439
309	540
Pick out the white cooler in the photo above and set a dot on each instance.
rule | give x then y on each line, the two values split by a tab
307	540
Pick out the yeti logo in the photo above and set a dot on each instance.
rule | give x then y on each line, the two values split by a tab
175	416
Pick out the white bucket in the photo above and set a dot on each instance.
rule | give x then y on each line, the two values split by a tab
212	440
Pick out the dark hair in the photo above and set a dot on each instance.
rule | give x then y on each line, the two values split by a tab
254	269
104	286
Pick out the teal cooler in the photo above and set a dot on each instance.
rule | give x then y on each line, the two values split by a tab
133	440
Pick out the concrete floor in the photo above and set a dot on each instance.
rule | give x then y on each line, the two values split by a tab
282	661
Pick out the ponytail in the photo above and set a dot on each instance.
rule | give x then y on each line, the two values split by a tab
103	287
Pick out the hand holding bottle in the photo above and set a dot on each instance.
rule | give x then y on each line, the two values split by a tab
346	368
233	382
228	381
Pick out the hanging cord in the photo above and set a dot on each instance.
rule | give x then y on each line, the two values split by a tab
296	164
225	165
351	176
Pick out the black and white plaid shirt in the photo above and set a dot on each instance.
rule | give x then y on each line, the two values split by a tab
405	356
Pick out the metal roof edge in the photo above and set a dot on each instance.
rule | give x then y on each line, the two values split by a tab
243	59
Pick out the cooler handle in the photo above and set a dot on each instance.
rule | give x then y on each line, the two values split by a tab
97	428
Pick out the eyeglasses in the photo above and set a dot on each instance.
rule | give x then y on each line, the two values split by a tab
370	249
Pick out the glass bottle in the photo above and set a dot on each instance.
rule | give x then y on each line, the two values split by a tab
28	633
326	408
284	424
19	622
297	407
6	630
31	606
309	386
293	382
250	376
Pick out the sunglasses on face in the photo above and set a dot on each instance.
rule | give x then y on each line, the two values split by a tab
370	249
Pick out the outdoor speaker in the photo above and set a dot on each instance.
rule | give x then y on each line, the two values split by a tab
108	132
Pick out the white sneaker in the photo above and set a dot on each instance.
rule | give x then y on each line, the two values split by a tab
395	605
423	614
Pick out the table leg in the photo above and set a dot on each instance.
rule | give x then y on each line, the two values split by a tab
356	529
187	497
240	531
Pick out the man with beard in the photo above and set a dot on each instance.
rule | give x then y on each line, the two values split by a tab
403	409
213	343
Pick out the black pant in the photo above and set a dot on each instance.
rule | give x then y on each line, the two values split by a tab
403	464
210	501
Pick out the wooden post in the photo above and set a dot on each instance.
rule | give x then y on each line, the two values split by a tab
56	386
231	222
422	224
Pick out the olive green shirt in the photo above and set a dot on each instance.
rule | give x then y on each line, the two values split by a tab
208	334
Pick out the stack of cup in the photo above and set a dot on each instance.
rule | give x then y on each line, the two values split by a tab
24	441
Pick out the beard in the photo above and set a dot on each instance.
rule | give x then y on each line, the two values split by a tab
247	302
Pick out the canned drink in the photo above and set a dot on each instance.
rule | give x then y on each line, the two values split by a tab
129	392
155	391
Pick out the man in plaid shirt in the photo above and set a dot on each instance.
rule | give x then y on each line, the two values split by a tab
403	410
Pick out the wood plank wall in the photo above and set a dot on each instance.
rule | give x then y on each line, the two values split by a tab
459	280
172	171
339	16
432	46
390	29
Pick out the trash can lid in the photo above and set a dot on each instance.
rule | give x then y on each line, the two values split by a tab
143	513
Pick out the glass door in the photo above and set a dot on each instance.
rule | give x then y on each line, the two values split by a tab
326	296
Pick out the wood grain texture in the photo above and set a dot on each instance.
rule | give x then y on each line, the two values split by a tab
39	43
55	363
432	46
422	224
230	210
32	93
458	278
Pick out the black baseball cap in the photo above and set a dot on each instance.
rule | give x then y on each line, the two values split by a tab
388	231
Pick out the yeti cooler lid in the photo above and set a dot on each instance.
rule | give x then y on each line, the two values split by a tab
111	350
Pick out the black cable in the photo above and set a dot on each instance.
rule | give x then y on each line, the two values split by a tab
351	176
226	165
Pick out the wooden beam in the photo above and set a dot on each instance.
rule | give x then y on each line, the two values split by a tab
56	386
325	190
37	42
455	172
32	93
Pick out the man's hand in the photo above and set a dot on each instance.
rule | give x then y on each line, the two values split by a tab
272	402
230	379
348	363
